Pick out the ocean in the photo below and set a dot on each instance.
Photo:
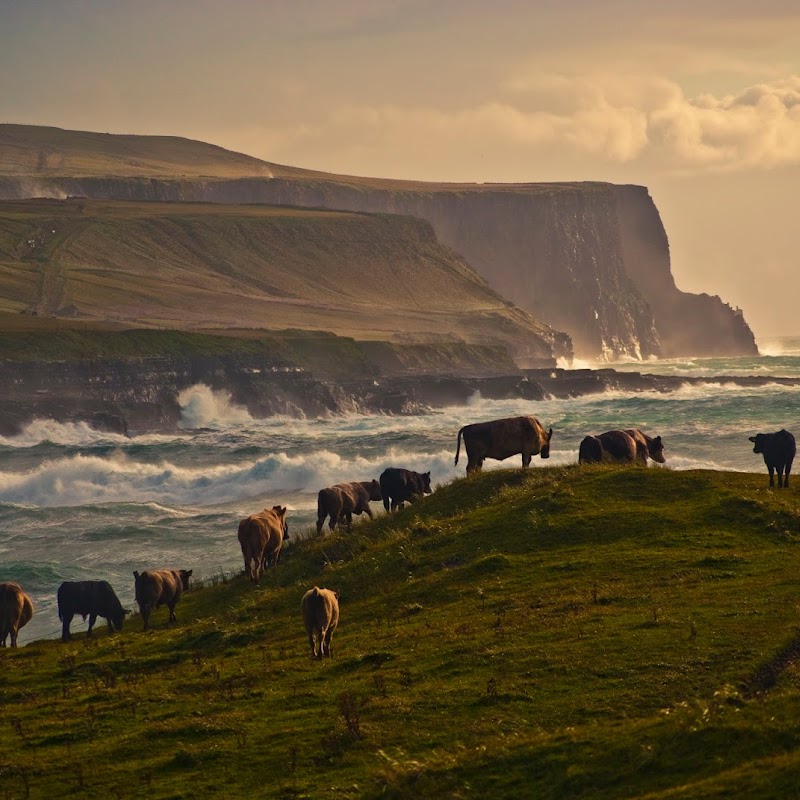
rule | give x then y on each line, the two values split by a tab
78	504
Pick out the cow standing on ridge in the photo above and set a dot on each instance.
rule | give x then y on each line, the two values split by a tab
16	610
88	598
341	501
501	438
160	587
779	450
401	485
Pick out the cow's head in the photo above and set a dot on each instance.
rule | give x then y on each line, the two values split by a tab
545	451
117	615
758	442
656	449
425	479
374	490
185	575
281	512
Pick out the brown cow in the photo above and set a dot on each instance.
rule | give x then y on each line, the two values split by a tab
16	611
160	587
502	438
321	616
647	446
261	538
613	446
341	501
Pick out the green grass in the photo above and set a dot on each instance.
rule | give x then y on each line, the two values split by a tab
556	632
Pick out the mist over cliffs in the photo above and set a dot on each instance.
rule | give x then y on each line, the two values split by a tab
590	259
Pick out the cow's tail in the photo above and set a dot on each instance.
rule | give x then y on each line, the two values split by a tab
458	447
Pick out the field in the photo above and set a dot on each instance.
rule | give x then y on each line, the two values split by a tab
557	632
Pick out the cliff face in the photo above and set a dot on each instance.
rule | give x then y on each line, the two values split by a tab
589	259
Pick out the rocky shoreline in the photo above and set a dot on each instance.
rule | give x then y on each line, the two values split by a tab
133	396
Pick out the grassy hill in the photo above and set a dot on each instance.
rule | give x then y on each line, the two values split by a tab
557	632
204	266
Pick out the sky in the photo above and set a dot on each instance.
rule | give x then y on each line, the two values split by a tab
699	101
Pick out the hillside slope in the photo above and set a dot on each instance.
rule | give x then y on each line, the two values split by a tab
557	632
591	259
190	266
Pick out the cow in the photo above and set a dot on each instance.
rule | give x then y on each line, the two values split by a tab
16	610
647	446
778	450
261	538
88	598
320	609
399	485
611	446
341	501
501	438
160	587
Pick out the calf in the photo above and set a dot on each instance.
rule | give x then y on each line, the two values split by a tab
778	450
88	598
399	485
160	587
647	446
320	609
261	538
16	611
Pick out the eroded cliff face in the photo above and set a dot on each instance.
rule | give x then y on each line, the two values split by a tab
590	259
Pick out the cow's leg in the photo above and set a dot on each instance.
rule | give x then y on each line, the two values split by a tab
779	470
771	475
328	635
320	523
110	625
313	644
786	474
145	612
349	521
13	632
526	459
368	512
92	620
65	623
172	617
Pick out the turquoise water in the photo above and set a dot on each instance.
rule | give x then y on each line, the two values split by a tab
79	504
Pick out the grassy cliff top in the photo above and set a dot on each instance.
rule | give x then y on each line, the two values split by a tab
33	151
556	632
205	266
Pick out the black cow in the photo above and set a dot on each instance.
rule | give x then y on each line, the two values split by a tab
778	450
89	598
399	485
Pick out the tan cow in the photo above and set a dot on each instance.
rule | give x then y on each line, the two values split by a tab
261	538
341	501
321	616
502	438
16	611
647	446
160	587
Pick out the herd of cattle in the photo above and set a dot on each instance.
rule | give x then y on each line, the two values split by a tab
261	536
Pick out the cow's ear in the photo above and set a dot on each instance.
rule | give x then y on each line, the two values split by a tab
135	575
427	474
657	439
752	438
284	510
189	573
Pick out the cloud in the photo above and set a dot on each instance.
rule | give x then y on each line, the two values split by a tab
613	120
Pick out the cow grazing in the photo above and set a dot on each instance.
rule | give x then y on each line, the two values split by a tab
502	438
341	501
778	450
612	446
160	587
88	598
16	610
647	446
261	538
399	485
321	616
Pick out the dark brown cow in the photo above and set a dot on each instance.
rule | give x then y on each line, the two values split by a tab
611	446
400	485
16	610
160	587
647	446
779	450
89	598
341	501
320	609
502	438
261	538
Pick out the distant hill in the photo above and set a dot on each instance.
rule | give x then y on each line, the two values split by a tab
202	266
590	259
